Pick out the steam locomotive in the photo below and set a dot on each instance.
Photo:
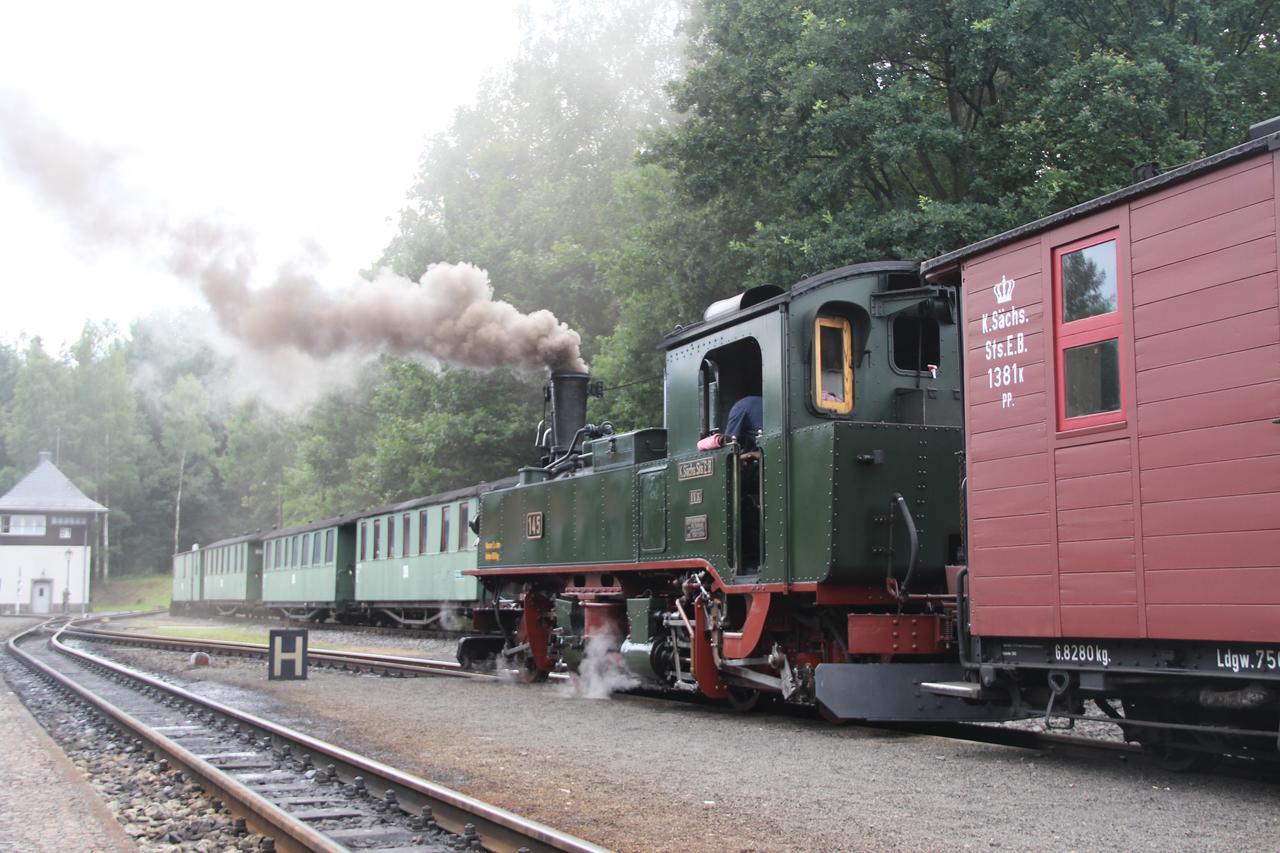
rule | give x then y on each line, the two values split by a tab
1037	471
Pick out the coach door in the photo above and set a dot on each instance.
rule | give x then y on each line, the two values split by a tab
41	593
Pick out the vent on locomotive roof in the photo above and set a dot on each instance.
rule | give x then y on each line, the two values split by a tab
742	301
1264	128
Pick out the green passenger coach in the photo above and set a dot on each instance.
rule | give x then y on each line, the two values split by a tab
309	570
411	558
186	580
232	573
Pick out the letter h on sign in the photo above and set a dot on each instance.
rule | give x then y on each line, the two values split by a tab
287	656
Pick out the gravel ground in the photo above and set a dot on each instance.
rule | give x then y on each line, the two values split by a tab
648	774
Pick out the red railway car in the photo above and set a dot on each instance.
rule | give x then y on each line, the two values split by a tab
1122	363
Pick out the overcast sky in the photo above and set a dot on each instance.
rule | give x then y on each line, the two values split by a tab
303	120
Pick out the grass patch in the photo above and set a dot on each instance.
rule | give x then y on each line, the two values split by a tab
210	632
133	592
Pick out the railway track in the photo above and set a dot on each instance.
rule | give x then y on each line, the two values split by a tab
395	665
301	792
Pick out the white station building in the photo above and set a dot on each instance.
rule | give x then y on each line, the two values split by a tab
46	527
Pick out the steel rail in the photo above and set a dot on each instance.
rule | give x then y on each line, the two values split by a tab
261	815
499	830
331	657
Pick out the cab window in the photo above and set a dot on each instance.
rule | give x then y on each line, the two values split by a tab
833	370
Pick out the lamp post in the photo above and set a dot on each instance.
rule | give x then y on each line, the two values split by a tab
84	559
66	587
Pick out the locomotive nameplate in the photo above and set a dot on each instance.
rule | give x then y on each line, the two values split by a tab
533	525
695	469
695	528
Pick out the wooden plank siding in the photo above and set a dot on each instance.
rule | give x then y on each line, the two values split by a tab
1165	524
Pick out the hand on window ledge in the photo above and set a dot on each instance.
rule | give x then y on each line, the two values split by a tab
711	442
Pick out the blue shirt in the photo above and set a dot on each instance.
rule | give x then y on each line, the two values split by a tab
746	418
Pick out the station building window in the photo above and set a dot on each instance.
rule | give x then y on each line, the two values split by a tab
22	525
1088	323
833	366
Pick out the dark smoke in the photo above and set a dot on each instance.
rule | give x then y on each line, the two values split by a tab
449	314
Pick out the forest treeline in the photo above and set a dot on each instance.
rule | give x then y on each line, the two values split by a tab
637	161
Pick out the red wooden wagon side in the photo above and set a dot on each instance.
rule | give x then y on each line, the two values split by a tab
1122	361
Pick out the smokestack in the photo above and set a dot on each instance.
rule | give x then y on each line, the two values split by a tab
568	392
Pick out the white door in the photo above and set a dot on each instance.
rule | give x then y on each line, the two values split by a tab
41	592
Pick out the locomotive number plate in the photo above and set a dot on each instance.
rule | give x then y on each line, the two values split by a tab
695	469
695	528
533	525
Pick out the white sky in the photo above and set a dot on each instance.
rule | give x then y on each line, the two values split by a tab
303	120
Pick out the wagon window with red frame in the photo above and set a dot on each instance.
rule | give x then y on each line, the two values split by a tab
1088	323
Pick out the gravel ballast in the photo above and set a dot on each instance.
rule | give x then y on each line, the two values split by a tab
650	774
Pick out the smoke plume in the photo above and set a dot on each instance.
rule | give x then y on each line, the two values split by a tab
450	314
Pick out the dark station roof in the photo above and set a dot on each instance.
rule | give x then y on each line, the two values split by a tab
1266	138
47	489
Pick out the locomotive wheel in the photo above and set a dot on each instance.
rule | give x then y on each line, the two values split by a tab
743	699
527	671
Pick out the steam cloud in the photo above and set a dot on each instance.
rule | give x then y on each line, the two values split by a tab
449	314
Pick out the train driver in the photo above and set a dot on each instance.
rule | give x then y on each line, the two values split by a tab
745	421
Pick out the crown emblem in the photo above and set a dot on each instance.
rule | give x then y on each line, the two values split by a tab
1004	290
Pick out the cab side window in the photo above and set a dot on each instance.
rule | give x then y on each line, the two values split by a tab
832	364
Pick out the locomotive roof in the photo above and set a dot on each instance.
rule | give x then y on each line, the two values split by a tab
682	334
1182	173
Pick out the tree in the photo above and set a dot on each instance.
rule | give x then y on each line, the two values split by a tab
842	131
187	439
260	444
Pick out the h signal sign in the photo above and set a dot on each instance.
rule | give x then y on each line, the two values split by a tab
287	654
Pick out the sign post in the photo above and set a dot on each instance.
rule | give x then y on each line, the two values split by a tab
287	654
